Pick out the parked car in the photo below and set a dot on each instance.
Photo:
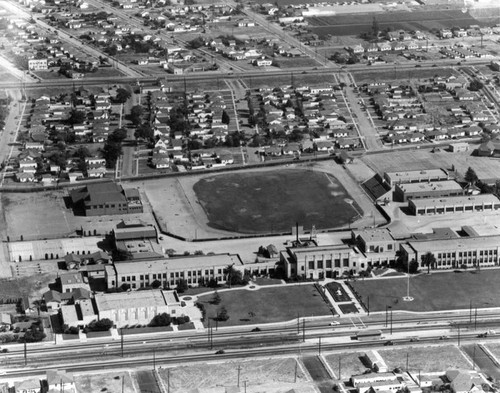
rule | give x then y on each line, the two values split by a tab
334	323
220	352
389	343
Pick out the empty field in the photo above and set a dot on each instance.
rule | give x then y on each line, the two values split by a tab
36	215
117	382
273	201
439	291
255	306
485	167
346	364
279	371
426	359
356	24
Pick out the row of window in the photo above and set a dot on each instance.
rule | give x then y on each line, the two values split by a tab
452	209
164	276
466	254
466	261
328	263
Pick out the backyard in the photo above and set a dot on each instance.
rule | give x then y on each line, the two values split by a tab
246	306
438	291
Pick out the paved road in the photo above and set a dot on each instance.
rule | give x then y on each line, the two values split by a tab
318	373
367	132
482	360
21	12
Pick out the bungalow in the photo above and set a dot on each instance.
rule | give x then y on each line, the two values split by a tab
327	146
473	130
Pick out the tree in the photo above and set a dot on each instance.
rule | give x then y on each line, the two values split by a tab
470	176
375	28
233	276
216	299
144	131
162	319
136	114
156	284
76	117
429	260
225	117
101	325
122	95
182	285
222	314
476	85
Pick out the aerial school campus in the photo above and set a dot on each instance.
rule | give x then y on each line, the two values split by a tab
249	197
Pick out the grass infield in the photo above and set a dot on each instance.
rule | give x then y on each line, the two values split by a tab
273	201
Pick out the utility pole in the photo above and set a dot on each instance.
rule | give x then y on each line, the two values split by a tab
168	380
298	323
121	340
407	358
304	330
25	354
470	312
368	305
245	382
295	373
319	346
154	359
475	319
340	368
239	370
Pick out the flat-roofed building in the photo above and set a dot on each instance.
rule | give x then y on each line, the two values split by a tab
404	192
455	252
377	244
195	269
426	175
318	262
454	204
79	314
138	307
377	382
105	198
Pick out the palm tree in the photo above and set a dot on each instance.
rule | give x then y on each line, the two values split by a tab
429	260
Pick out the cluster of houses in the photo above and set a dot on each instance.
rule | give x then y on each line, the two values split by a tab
313	111
404	108
381	379
55	380
208	115
471	31
48	125
462	51
40	50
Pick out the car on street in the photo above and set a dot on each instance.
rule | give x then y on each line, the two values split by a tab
220	352
334	323
388	343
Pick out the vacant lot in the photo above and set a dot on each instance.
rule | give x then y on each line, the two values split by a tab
267	305
255	202
358	23
426	359
347	363
439	291
485	167
116	382
257	372
36	215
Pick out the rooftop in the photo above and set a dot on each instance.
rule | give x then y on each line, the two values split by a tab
458	244
136	299
455	200
181	263
448	185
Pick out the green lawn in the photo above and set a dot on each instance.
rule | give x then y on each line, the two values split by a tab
275	304
439	291
274	201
